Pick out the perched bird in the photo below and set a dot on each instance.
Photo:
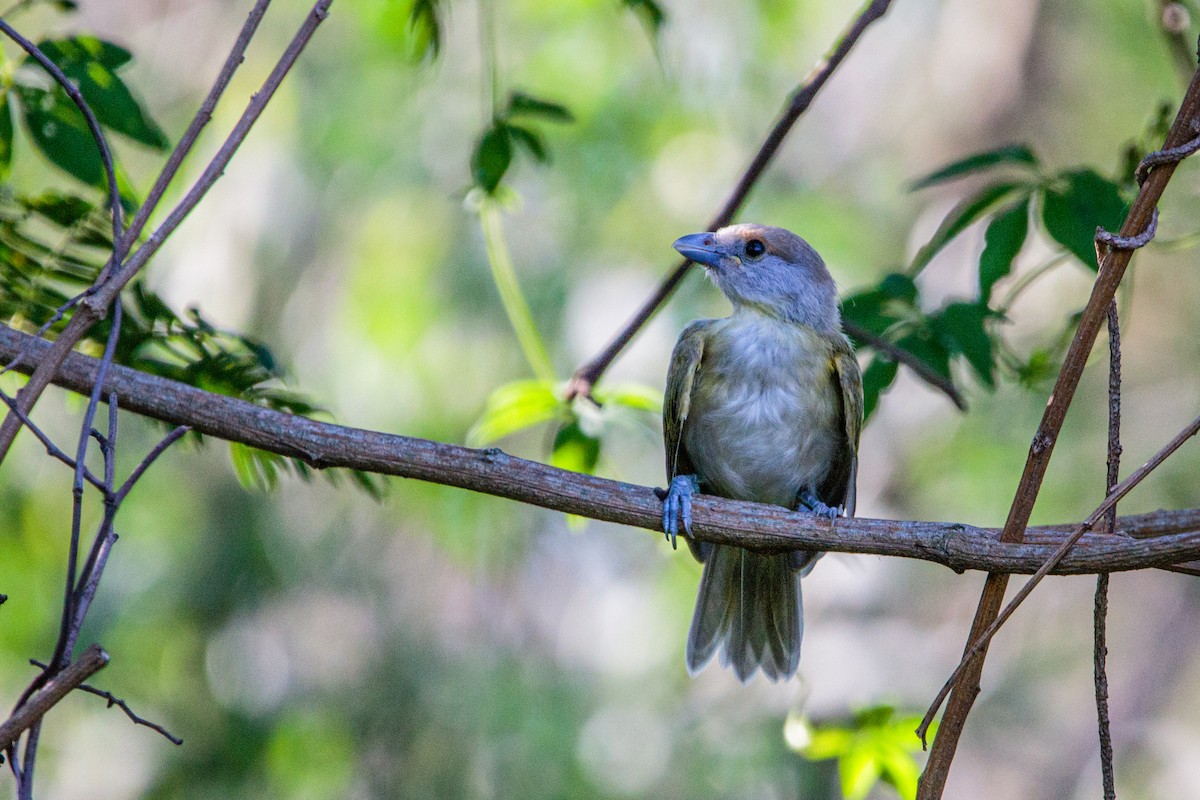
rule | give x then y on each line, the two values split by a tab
763	405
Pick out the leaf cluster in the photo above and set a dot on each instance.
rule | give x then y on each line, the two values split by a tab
53	122
875	745
54	244
513	130
579	424
1016	198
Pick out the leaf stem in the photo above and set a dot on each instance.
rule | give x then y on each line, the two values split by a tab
515	306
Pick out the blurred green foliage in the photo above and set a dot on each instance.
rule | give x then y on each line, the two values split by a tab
875	745
312	643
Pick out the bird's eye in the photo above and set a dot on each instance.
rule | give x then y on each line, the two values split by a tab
755	248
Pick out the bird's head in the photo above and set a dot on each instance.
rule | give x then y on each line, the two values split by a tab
771	270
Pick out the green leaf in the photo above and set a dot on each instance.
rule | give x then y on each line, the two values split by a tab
1011	154
521	104
87	48
6	135
650	13
575	449
514	407
876	379
960	328
61	209
492	157
899	768
859	771
828	743
1003	240
255	469
968	211
91	63
877	309
927	347
425	30
58	130
531	141
1072	213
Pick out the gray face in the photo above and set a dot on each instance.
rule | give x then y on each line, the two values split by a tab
767	269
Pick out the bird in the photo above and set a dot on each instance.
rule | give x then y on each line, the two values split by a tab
764	405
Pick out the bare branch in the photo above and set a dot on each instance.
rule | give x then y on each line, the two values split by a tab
121	704
89	663
1100	607
52	449
203	117
69	627
160	448
980	644
1112	269
1156	540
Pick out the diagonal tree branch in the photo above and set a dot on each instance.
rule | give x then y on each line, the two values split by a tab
31	712
1163	539
1112	269
1104	511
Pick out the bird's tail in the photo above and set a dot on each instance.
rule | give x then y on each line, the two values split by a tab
749	607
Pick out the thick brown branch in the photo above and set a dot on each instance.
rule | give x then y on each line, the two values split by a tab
1155	540
88	664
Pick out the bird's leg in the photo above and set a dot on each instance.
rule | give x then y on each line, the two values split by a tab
678	503
810	502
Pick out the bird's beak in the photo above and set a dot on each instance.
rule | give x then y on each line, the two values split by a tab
701	248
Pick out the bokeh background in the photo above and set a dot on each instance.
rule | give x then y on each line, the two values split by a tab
313	642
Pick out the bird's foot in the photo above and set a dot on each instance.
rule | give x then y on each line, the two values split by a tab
810	502
678	505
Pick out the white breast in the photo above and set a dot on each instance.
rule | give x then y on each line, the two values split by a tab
765	414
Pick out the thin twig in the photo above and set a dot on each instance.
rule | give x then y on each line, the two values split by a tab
52	449
67	630
979	644
898	354
586	376
25	778
106	537
202	117
54	690
121	704
93	308
89	579
1100	609
160	448
1100	678
1112	269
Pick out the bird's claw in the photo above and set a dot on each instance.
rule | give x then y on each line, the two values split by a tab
677	505
811	502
